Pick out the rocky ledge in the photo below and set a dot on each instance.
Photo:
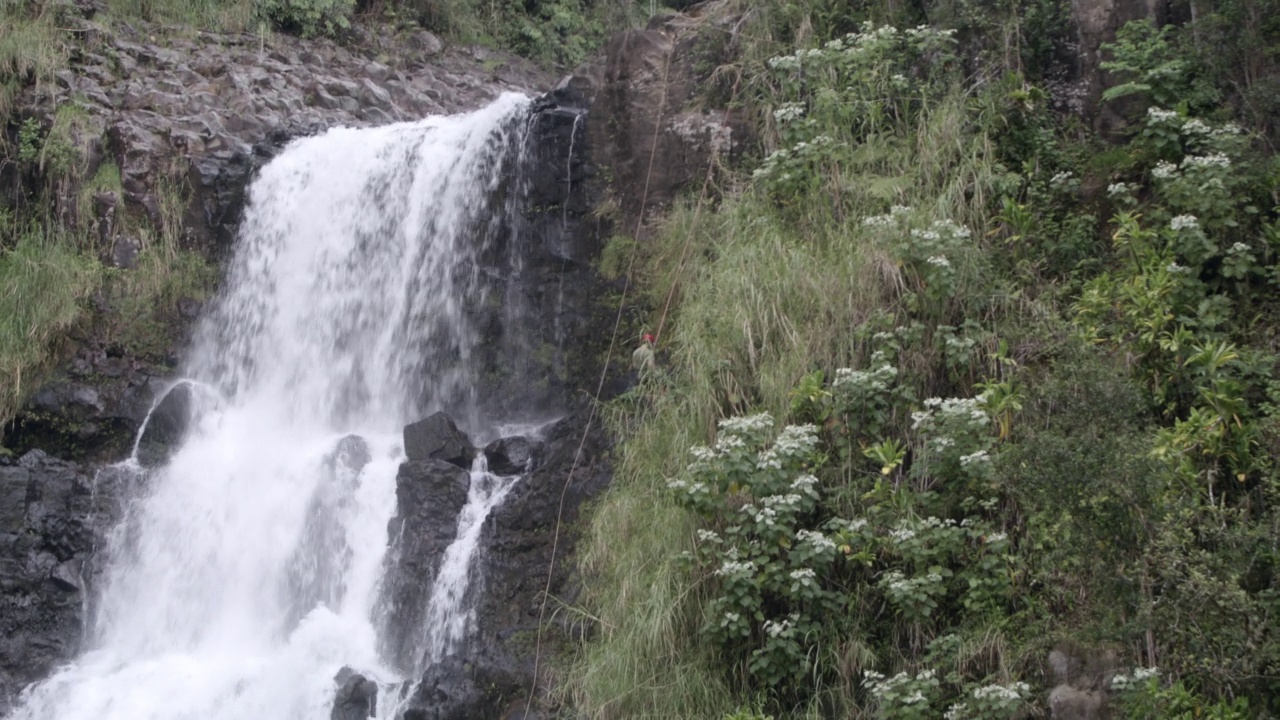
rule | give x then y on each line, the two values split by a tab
520	575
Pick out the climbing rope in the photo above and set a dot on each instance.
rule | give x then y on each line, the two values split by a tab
617	323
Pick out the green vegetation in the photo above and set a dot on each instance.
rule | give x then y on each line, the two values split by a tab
43	284
50	264
951	382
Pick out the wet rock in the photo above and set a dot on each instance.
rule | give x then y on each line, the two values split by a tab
437	437
511	455
356	697
425	43
79	417
167	426
462	689
518	566
50	522
430	494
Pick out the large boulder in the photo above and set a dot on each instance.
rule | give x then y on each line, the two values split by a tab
512	455
437	437
356	697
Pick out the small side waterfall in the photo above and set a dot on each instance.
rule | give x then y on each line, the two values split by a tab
245	573
448	615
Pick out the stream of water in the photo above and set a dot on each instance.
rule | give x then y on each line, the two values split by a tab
245	574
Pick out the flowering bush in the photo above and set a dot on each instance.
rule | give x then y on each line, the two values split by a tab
835	95
903	696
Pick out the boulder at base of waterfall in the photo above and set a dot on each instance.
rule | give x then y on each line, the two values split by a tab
512	455
523	562
438	438
430	495
356	698
462	689
166	427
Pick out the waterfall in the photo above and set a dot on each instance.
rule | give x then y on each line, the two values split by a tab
243	575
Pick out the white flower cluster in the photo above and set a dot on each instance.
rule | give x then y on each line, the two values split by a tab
902	535
777	629
767	516
1009	693
804	575
1196	126
1164	170
815	539
848	526
865	381
1238	248
879	686
1061	178
1184	222
934	523
685	486
940	261
994	538
736	567
1176	269
806	485
789	112
794	60
746	424
769	460
968	410
1140	675
708	536
896	214
796	441
816	143
1216	160
1117	189
1157	116
728	443
976	459
786	502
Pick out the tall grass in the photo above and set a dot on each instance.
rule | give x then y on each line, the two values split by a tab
765	295
32	48
44	283
206	15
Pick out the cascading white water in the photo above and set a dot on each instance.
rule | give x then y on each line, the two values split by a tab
244	576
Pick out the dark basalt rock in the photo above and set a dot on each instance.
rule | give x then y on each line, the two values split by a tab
511	455
493	673
430	494
437	437
356	697
50	521
168	425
